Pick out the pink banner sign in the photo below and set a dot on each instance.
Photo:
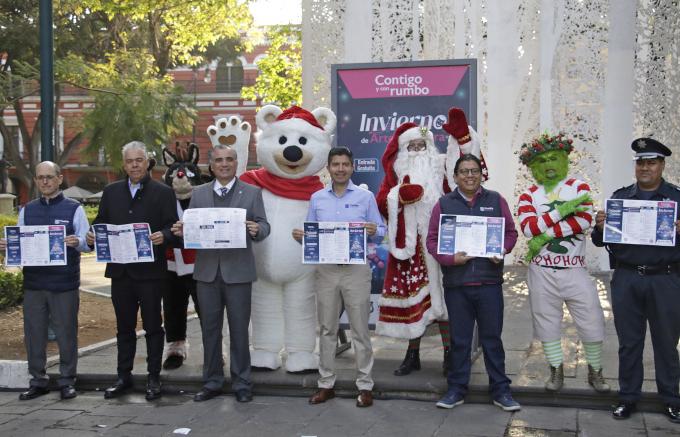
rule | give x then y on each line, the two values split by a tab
402	82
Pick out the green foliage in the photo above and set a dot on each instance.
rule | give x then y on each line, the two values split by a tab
11	288
280	77
91	212
131	103
7	220
174	32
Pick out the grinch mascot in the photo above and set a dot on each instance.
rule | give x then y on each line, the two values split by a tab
555	213
416	177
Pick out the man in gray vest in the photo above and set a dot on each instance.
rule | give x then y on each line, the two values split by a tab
225	276
52	292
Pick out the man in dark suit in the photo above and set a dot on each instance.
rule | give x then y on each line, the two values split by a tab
138	199
224	277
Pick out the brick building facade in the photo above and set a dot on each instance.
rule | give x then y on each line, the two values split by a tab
216	91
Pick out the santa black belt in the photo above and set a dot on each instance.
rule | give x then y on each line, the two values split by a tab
642	270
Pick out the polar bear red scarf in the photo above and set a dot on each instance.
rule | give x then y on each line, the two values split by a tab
297	189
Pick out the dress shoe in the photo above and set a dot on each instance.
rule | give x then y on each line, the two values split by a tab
411	362
117	389
322	396
244	395
67	392
673	413
33	392
153	387
173	362
623	410
365	398
206	394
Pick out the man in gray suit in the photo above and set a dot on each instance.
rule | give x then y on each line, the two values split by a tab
224	277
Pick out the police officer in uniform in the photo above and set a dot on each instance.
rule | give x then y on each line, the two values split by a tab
645	287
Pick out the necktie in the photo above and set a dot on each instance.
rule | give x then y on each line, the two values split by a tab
223	191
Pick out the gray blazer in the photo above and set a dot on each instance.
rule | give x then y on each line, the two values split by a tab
236	265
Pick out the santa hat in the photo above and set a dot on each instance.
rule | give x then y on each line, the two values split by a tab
402	136
301	114
457	126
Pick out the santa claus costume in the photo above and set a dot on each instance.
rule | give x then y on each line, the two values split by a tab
415	179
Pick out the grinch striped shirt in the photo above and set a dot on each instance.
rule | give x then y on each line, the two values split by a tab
538	214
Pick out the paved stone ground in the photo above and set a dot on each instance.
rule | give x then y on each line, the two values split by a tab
525	363
90	414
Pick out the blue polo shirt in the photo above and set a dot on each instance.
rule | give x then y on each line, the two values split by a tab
355	205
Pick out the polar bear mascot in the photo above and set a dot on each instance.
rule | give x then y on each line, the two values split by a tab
292	147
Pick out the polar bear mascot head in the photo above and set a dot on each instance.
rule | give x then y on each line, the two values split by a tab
234	132
294	143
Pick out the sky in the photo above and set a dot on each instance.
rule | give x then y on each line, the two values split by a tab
268	12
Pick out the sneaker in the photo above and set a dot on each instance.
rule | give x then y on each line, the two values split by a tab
450	400
596	380
506	402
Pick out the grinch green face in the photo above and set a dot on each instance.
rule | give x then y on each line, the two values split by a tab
548	168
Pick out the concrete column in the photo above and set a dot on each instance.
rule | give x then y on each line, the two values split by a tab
617	122
357	28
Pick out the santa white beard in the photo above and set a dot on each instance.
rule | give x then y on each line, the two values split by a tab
424	168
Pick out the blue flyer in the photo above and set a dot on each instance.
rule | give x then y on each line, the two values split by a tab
357	243
123	244
310	252
101	243
334	243
35	245
640	222
477	236
447	234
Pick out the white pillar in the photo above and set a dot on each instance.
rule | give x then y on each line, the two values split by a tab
617	123
550	27
307	48
357	29
503	82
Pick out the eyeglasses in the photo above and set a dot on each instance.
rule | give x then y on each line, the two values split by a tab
46	178
416	147
469	172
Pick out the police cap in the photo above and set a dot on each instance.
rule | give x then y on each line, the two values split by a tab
649	148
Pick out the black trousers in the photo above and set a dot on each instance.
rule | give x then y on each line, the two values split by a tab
128	296
637	300
175	302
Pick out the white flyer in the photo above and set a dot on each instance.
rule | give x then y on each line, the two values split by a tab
35	245
475	235
214	228
123	244
644	222
334	243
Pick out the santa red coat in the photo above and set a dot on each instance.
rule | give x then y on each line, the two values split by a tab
412	295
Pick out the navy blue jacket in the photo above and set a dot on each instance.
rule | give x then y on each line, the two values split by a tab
59	211
477	270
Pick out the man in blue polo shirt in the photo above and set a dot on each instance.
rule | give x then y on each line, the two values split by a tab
52	292
342	201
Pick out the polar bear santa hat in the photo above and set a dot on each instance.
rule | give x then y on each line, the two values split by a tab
298	119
